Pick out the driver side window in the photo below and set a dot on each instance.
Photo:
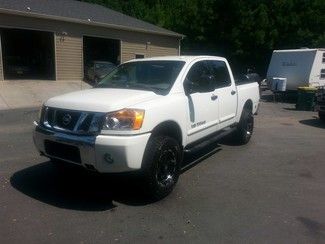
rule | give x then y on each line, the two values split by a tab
196	78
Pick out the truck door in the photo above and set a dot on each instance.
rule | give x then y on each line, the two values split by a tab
202	102
225	90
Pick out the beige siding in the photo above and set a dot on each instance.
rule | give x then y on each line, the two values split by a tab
69	49
130	49
68	58
160	50
151	49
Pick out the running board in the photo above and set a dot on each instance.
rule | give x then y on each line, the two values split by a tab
205	141
188	166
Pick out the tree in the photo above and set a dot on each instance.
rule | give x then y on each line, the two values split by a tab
245	31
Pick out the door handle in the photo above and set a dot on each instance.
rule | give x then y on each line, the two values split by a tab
233	92
214	97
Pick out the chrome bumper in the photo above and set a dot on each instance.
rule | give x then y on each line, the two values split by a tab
85	144
104	153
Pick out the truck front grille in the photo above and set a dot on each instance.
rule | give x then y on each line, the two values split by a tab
72	121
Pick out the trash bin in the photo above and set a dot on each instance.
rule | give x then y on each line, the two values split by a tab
306	98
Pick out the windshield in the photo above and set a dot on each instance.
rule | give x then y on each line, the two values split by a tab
156	76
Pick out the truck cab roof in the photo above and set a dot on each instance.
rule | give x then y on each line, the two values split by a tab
184	58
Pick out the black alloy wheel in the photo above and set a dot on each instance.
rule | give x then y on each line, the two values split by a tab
245	128
161	166
166	168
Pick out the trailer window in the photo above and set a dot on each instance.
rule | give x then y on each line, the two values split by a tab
322	73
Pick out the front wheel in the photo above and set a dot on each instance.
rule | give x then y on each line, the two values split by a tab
161	166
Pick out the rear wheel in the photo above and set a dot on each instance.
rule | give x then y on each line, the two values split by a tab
321	115
161	166
245	127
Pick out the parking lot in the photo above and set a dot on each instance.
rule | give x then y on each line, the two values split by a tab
269	191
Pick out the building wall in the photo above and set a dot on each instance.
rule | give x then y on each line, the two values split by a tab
130	49
69	42
69	64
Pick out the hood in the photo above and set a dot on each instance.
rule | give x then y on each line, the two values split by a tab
101	99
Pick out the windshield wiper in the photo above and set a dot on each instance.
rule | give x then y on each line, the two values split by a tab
110	85
143	87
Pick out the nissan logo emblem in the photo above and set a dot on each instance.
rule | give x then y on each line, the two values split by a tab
66	119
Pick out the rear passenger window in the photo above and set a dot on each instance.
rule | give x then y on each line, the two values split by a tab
220	73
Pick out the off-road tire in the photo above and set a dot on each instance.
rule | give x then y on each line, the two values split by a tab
161	166
245	127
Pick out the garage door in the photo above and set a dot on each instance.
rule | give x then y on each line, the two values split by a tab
28	54
100	56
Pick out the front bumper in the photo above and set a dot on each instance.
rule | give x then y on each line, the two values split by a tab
104	153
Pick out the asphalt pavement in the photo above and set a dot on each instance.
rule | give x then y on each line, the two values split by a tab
269	191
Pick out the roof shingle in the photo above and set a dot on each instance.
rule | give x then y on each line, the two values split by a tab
82	11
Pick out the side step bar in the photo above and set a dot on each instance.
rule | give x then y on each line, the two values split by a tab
205	141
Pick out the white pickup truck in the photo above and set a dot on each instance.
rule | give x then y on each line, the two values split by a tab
145	114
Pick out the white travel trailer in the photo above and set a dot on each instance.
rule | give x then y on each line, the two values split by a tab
299	67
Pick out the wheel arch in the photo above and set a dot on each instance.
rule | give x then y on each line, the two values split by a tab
248	105
169	128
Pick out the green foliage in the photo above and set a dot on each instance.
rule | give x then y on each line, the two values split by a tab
245	31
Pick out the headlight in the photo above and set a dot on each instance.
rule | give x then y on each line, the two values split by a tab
125	119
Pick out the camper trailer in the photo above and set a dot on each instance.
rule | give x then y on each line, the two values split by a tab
297	67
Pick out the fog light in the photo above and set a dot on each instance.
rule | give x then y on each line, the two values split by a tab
108	158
